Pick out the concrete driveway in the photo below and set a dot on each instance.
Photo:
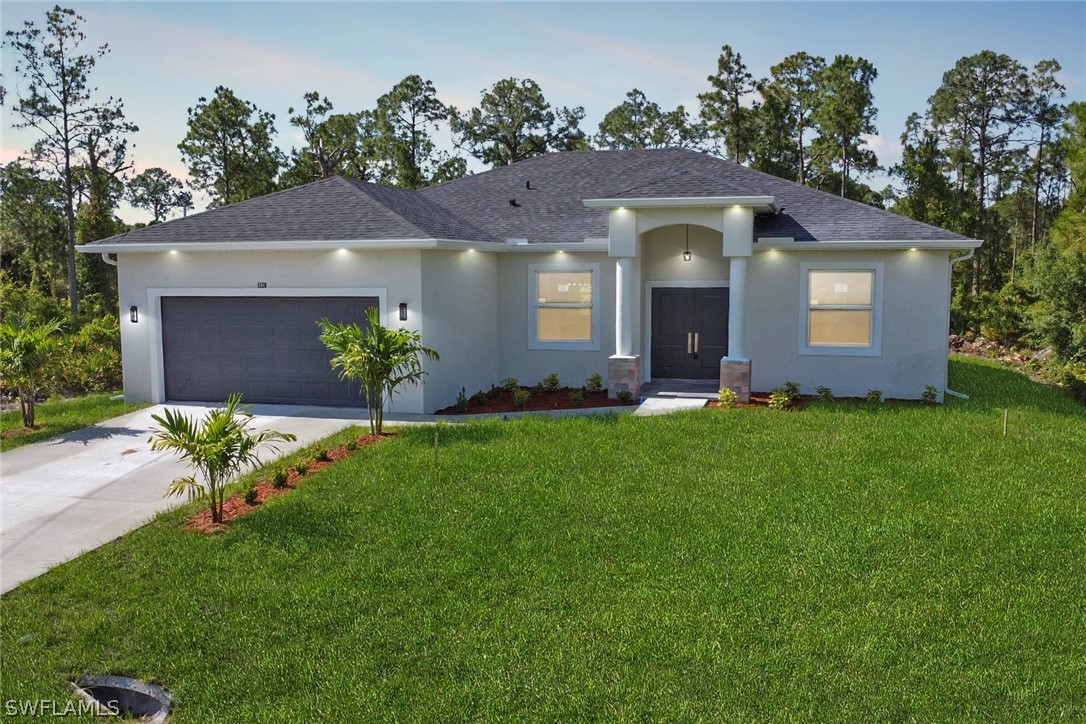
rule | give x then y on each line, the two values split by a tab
65	496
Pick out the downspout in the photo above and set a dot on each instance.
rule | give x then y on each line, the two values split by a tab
107	260
954	260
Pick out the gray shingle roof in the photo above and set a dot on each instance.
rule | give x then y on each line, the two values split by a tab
549	192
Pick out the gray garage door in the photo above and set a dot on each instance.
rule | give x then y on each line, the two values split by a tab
265	348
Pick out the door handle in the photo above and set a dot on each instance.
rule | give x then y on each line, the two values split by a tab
697	347
690	343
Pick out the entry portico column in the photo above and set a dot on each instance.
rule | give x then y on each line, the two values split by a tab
624	367
738	246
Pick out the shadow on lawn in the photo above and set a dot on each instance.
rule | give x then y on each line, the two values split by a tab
991	387
97	432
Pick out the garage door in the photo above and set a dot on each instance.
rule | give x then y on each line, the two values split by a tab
265	348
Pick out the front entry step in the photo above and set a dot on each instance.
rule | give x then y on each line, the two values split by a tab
667	405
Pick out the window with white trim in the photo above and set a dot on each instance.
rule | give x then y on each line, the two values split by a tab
562	306
841	307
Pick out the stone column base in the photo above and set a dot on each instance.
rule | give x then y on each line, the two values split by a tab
624	373
735	375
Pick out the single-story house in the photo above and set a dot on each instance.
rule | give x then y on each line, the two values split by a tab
638	265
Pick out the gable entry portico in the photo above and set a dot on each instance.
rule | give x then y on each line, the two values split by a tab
629	220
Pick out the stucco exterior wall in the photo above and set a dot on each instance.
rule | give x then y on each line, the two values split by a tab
459	320
395	276
916	299
529	366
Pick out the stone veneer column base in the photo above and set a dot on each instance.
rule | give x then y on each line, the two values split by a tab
623	373
735	375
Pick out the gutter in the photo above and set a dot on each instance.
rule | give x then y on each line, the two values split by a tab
589	245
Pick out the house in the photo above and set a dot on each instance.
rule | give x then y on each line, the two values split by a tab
636	264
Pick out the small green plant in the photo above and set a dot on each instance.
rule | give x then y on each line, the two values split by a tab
323	455
510	384
727	397
785	396
824	393
351	445
521	397
250	494
594	382
462	400
279	479
537	389
302	467
551	383
930	395
479	398
873	396
495	391
624	396
576	397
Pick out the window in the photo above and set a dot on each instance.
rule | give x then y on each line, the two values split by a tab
562	306
841	309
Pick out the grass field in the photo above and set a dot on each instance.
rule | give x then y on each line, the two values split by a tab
846	562
57	417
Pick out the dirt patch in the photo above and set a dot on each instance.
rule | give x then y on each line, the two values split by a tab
236	507
501	400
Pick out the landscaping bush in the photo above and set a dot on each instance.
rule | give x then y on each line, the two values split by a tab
551	383
521	397
576	397
462	400
785	396
537	389
727	397
279	478
624	396
930	395
322	455
594	382
510	384
873	396
250	494
824	393
301	467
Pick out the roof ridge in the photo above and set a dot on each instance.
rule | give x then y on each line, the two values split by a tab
353	183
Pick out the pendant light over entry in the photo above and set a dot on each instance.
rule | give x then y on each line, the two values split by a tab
686	251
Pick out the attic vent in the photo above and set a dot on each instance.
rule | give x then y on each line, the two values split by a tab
513	202
528	185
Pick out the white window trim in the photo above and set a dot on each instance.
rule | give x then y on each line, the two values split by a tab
875	349
533	302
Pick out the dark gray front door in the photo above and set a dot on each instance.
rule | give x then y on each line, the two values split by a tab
689	332
263	347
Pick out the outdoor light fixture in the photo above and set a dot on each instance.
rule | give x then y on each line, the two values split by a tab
403	311
133	314
686	251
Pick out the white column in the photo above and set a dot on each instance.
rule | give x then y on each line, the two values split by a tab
624	306
737	314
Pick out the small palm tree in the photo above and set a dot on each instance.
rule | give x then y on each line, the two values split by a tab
218	448
27	356
379	358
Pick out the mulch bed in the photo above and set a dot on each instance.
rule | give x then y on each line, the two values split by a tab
757	399
235	506
502	401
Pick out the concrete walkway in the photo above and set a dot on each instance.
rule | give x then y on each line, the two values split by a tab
666	405
62	497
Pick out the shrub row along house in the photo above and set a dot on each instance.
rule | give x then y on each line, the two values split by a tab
638	265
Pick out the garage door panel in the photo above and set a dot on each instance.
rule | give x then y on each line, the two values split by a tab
268	349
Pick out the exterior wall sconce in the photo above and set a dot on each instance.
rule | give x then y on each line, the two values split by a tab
686	251
403	311
133	314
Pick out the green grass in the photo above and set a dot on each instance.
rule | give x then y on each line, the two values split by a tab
58	416
846	562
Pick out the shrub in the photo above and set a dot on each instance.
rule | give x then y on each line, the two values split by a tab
930	395
576	397
521	397
250	494
624	396
551	383
727	397
495	391
351	444
536	390
785	396
279	479
462	400
301	467
824	393
594	382
323	455
510	384
479	398
873	396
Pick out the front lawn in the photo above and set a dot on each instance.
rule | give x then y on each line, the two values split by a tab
846	562
57	417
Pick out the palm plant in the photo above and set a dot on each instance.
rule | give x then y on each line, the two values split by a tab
379	358
27	356
217	448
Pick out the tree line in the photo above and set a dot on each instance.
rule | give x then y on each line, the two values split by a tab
994	155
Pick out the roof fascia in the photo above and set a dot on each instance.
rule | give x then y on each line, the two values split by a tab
589	245
766	244
760	203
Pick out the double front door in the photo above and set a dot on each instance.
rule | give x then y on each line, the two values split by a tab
689	332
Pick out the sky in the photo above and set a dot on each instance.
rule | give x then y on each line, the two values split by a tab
165	55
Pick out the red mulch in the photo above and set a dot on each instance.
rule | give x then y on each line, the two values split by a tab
558	400
235	506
